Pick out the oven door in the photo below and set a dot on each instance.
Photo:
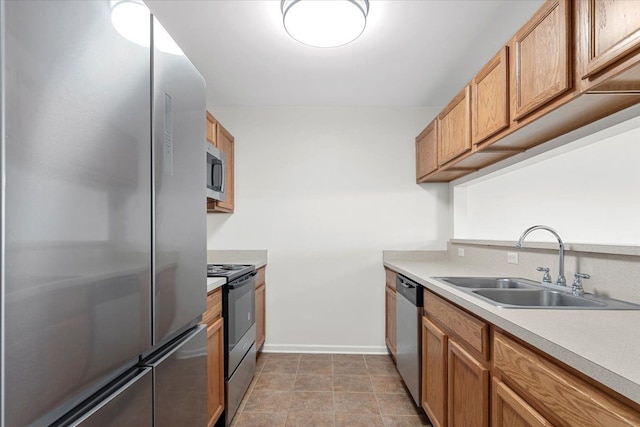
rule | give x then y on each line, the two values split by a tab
240	300
215	173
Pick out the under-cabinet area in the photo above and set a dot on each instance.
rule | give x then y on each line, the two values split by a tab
485	365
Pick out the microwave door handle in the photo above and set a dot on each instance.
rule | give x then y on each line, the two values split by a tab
224	172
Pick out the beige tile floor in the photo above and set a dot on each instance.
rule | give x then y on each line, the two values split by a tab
341	390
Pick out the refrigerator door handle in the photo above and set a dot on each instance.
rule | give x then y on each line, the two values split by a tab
167	134
172	348
103	398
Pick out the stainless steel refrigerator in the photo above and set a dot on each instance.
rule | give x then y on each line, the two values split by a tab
103	219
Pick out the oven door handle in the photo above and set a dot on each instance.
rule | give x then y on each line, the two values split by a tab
240	283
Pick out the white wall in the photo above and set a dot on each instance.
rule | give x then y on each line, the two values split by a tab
325	190
589	191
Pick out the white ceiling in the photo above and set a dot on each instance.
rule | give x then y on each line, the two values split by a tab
412	53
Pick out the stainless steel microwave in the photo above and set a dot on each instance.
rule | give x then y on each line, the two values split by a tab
215	173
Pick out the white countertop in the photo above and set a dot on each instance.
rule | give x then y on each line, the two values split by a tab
602	344
214	283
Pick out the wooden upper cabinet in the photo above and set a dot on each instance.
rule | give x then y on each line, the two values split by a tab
510	410
453	128
427	151
542	58
490	98
211	129
614	32
225	143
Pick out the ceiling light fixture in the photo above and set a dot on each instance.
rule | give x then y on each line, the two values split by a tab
132	19
325	23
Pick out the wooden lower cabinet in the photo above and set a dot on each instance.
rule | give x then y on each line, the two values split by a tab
468	389
510	410
564	397
215	355
261	288
215	370
434	373
455	368
465	360
390	328
260	316
391	335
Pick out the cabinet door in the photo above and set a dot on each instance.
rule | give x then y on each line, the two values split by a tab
390	320
427	151
215	370
260	316
468	389
572	400
226	144
490	98
542	70
454	134
434	373
510	410
614	31
211	129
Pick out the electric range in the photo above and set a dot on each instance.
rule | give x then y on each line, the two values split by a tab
229	271
238	310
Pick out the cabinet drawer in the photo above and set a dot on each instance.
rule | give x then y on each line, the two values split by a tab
260	277
472	331
390	278
214	307
568	398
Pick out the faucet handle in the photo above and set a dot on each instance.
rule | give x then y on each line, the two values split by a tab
576	287
546	278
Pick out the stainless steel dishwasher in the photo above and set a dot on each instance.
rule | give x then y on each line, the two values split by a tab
408	317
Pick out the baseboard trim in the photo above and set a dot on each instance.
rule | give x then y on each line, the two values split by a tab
335	349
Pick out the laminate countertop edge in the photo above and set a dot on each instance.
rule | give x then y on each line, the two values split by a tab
214	283
602	344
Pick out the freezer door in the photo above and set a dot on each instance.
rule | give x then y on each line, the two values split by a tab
179	170
180	381
126	403
77	256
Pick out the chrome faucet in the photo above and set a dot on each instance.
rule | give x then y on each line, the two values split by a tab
561	280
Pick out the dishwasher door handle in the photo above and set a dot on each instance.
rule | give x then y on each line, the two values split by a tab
406	285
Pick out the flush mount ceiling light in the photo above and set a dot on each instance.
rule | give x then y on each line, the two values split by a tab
132	19
325	23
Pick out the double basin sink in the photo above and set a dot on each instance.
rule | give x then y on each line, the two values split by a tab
523	293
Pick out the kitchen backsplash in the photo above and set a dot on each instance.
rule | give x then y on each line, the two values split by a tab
614	270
